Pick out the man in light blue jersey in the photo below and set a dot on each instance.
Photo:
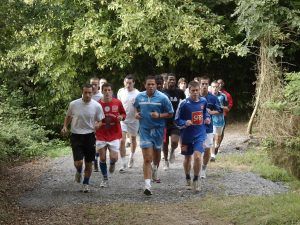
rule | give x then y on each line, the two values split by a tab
152	108
191	117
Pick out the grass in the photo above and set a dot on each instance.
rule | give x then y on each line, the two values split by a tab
258	161
58	151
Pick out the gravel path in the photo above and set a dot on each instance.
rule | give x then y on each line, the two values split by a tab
56	186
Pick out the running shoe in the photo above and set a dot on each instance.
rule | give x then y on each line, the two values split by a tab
127	144
196	185
166	165
85	188
130	162
188	184
104	183
77	177
203	173
147	192
122	169
213	158
172	157
112	168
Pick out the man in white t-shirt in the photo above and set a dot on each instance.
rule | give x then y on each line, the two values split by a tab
84	115
130	125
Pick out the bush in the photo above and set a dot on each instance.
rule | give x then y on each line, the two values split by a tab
20	136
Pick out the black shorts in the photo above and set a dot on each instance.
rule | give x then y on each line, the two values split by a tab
83	146
172	130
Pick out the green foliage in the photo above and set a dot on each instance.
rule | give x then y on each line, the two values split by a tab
63	43
273	21
259	161
20	136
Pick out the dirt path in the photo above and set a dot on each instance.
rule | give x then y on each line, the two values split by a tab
48	185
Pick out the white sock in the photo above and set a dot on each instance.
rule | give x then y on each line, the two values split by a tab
131	155
213	155
147	183
123	159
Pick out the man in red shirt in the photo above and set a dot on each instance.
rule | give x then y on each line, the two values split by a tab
110	133
226	109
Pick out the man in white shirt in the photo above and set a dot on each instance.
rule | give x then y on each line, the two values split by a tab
130	125
84	115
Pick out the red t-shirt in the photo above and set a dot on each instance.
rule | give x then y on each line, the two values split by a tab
110	129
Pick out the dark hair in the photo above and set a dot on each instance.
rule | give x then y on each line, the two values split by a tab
87	85
129	77
106	85
193	84
150	77
205	78
171	75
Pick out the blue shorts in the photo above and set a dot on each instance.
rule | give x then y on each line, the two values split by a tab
151	138
190	148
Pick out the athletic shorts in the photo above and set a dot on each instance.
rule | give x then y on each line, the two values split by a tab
170	131
189	149
218	130
151	138
209	141
130	128
83	146
112	145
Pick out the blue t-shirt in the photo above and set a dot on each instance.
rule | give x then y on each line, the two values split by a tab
212	104
158	102
218	119
196	112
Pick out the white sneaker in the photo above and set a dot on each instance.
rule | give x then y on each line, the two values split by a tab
196	185
130	162
172	157
85	188
122	169
189	184
104	183
166	165
154	174
203	173
77	177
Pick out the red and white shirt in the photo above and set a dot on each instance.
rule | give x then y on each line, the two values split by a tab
110	129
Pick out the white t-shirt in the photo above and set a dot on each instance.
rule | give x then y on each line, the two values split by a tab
127	98
97	96
84	115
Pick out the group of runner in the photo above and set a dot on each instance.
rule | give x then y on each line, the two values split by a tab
166	113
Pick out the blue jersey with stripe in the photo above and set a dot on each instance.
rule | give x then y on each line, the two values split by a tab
196	112
158	102
212	104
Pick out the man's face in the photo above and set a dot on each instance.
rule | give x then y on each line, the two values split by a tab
221	83
150	86
87	94
95	84
107	92
194	92
215	88
182	85
171	81
159	84
204	85
129	84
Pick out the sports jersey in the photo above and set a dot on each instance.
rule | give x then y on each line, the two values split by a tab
218	119
127	98
212	104
84	115
175	96
111	129
158	102
196	112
